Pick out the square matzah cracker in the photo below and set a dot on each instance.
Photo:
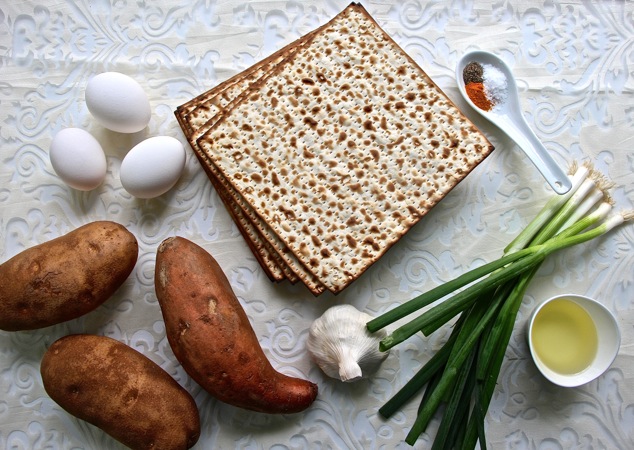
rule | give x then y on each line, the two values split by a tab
344	147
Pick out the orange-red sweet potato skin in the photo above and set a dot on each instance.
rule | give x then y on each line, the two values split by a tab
211	336
112	386
65	277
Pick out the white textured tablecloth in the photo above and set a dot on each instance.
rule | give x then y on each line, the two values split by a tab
574	62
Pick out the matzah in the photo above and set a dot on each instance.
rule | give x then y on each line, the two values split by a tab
339	149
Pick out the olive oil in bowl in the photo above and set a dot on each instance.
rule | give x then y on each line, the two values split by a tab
565	337
573	339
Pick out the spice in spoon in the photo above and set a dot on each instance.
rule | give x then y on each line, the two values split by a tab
475	91
485	84
472	73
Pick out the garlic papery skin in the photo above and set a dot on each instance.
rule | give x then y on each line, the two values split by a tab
341	345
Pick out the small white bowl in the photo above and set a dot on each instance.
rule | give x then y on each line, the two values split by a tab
608	335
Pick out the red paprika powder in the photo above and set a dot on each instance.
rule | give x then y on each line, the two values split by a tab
476	93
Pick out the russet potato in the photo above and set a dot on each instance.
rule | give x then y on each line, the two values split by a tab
65	277
112	386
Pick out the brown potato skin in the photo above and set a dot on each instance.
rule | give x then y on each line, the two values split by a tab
211	336
112	386
66	277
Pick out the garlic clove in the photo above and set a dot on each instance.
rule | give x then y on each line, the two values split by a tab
341	345
349	369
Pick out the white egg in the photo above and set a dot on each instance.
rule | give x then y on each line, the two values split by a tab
118	102
78	159
153	166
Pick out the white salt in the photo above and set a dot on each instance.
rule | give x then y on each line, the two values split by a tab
495	85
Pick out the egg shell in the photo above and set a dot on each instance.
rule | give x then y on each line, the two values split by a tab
78	159
153	166
118	102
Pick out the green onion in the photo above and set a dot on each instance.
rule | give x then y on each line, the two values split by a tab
476	321
463	373
442	290
491	362
423	376
565	212
551	207
456	407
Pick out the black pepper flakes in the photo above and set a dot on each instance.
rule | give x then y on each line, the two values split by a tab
472	73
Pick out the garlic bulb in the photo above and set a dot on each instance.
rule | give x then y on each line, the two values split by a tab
342	346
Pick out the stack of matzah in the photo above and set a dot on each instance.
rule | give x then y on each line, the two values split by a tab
330	150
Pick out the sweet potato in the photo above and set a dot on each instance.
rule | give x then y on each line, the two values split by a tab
211	336
127	395
66	277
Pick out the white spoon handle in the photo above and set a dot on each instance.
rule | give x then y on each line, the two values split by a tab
525	138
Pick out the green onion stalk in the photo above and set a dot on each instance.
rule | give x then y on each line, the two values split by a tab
463	374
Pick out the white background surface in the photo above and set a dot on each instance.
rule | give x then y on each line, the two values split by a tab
575	66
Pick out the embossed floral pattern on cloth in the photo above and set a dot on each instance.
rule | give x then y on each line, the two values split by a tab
573	64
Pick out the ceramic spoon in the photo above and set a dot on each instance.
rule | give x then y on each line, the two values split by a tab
509	118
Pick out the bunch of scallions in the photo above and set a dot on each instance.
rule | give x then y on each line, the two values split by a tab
462	374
